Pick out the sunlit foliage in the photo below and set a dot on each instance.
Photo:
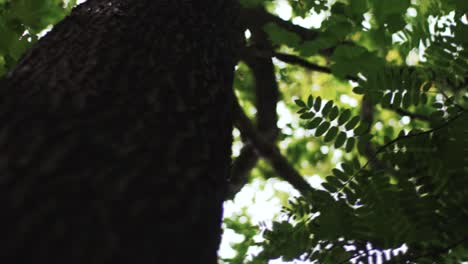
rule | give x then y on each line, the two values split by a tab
399	185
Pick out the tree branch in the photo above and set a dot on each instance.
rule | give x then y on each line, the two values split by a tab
271	153
382	148
258	17
266	98
249	53
240	170
403	112
266	87
296	60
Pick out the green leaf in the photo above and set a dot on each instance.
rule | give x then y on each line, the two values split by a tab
362	145
314	122
426	86
340	139
395	23
424	98
331	134
352	123
37	15
330	188
350	195
318	103
351	60
345	115
437	116
390	13
415	96
322	129
307	115
300	103
333	113
437	105
348	169
326	109
334	181
356	163
386	100
340	174
304	8
358	7
359	90
397	100
452	110
350	144
310	101
361	129
406	100
279	35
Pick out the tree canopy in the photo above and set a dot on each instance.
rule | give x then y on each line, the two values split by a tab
372	99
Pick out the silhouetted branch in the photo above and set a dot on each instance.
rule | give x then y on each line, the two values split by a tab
266	97
240	170
382	148
296	60
250	53
412	115
266	86
258	17
271	153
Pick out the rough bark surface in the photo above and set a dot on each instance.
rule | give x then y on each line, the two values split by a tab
115	135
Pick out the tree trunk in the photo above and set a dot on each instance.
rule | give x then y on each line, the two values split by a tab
115	135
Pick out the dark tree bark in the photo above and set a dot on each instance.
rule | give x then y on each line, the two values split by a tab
115	135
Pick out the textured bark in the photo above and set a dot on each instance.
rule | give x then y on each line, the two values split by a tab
115	135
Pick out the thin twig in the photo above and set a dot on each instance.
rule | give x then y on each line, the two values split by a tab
382	148
403	112
296	60
258	17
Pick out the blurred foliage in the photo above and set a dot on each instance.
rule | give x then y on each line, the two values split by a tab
395	188
21	21
241	224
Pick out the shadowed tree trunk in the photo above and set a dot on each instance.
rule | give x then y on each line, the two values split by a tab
115	135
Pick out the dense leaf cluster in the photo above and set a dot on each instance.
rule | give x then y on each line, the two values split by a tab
333	123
